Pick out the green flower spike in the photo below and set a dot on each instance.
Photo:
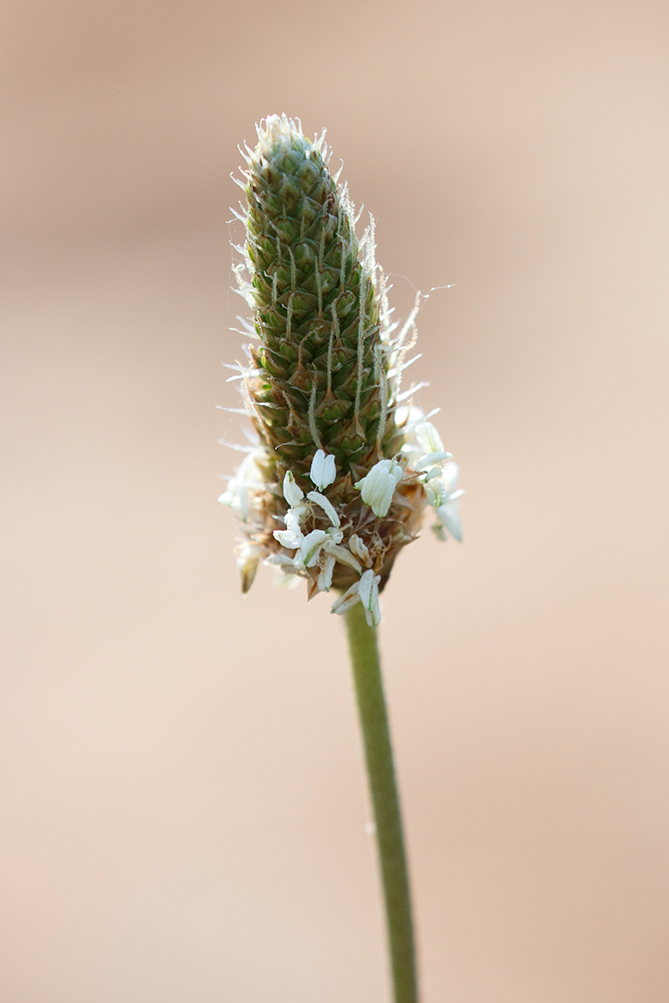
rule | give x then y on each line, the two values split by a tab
344	466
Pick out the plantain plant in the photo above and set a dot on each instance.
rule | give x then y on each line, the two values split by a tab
343	466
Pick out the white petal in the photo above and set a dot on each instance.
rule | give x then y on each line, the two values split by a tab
408	416
423	462
378	486
286	581
288	538
449	517
428	438
323	469
330	470
294	516
243	501
436	492
326	505
236	497
433	472
439	490
450	475
281	561
248	470
292	492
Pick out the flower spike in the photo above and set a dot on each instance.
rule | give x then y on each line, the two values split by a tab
322	387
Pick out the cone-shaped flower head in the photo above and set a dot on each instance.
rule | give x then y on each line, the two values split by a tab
316	311
322	386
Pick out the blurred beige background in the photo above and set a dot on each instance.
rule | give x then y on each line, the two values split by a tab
183	815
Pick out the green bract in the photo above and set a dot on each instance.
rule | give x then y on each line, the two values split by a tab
322	380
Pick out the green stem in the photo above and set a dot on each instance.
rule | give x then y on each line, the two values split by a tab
385	802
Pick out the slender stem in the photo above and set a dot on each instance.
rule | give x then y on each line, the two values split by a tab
385	801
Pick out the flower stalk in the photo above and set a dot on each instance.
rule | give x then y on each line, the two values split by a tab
365	662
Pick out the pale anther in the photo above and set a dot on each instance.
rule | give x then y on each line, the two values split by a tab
311	546
323	469
359	548
378	487
347	601
342	555
292	492
368	591
326	505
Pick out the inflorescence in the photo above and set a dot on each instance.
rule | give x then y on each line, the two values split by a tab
342	465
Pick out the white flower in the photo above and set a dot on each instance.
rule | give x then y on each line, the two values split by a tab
310	548
285	564
295	516
423	444
378	487
450	474
249	556
439	475
431	446
368	590
408	416
292	492
288	538
292	536
323	469
448	515
428	438
236	497
440	485
443	497
365	591
286	580
335	535
429	458
248	477
359	548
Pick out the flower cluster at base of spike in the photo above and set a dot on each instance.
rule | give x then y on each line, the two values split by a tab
315	553
320	541
439	475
